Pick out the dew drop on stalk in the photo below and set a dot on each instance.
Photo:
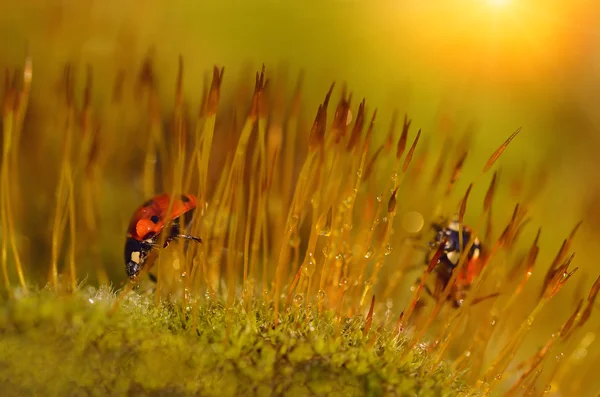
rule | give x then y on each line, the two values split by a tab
321	295
379	198
310	269
388	250
369	253
325	231
298	298
343	282
359	172
294	240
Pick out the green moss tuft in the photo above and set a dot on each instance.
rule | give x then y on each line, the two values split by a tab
53	345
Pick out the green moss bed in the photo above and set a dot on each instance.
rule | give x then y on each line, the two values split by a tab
55	345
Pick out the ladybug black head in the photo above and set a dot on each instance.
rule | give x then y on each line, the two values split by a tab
136	253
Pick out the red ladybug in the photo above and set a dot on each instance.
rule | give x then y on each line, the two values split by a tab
147	223
449	259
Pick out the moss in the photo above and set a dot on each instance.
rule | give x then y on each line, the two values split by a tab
53	345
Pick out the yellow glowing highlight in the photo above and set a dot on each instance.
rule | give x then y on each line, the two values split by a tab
498	3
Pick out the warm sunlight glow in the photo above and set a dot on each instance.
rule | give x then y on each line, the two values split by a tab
501	41
498	3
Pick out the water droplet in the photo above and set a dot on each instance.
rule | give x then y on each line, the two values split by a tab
298	298
369	253
294	240
339	256
325	250
91	301
467	353
343	282
388	250
377	221
380	198
547	388
321	295
394	177
184	274
309	270
368	283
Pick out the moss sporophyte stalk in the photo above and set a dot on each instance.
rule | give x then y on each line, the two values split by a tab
317	273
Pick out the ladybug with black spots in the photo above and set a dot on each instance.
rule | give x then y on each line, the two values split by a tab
149	221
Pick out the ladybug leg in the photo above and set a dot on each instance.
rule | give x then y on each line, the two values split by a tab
482	298
175	233
456	303
429	292
437	227
185	236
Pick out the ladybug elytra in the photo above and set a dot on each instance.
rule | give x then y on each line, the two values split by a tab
147	223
